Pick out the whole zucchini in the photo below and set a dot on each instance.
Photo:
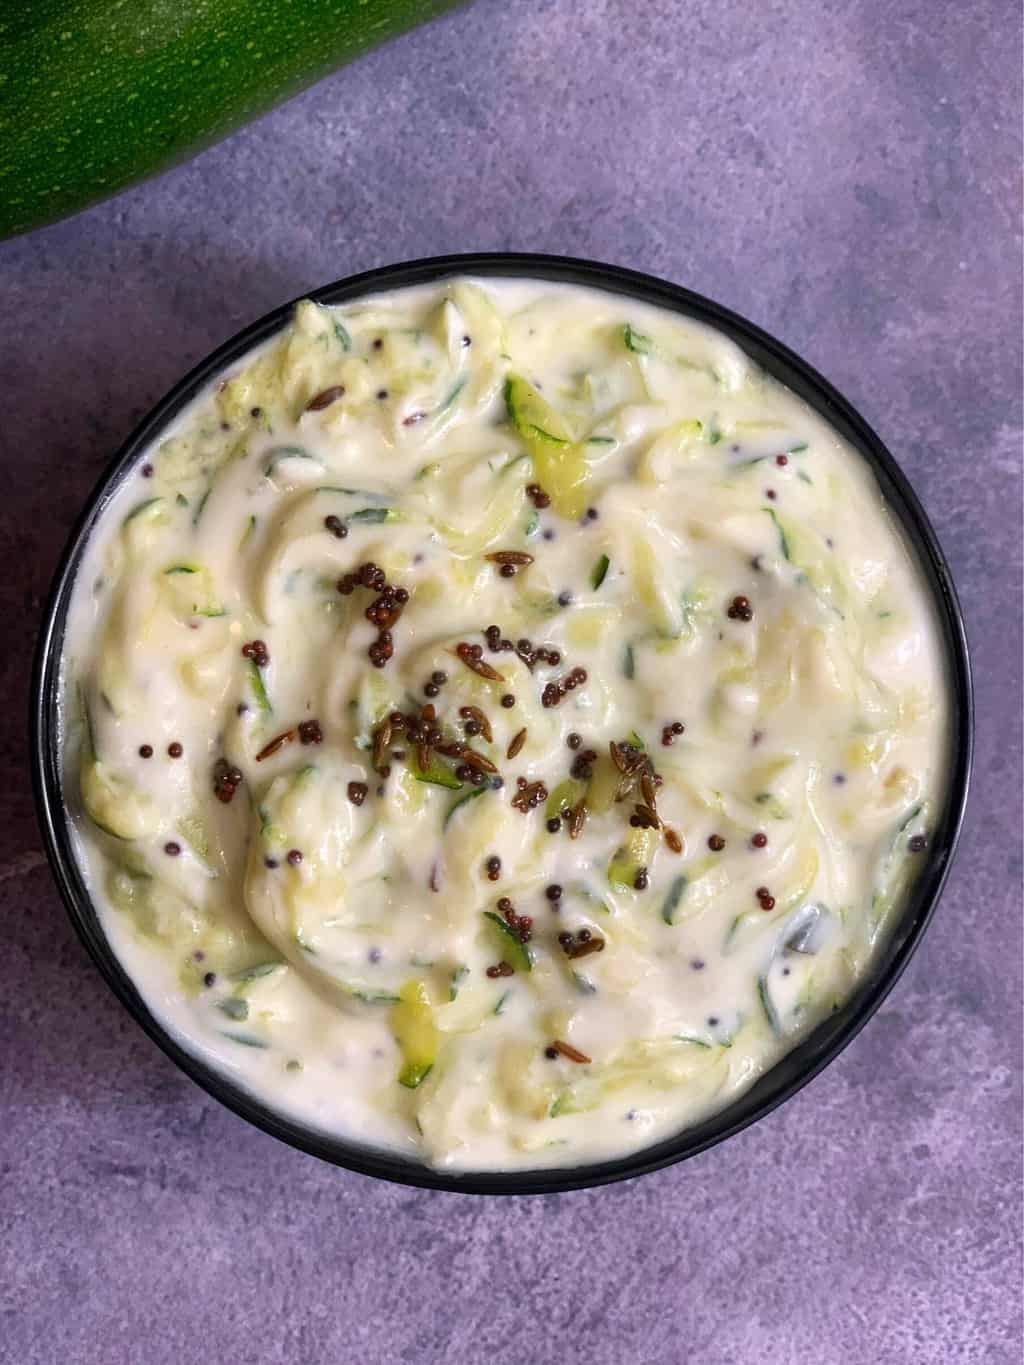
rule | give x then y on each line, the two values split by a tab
97	94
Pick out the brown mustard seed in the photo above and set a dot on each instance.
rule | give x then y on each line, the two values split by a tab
493	868
336	526
917	843
257	651
782	461
310	732
759	840
555	692
740	609
145	751
553	892
175	750
172	849
582	765
498	970
471	656
670	733
508	701
574	741
716	843
554	825
357	792
508	571
641	881
294	857
529	796
226	781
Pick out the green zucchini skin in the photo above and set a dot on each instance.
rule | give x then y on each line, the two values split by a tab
98	94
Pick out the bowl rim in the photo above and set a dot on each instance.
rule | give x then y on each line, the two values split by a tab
797	1067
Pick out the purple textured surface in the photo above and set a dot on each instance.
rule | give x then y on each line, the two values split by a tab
844	174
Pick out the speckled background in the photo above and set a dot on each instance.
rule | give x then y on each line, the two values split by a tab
845	174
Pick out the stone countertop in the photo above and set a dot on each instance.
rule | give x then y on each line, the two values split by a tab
845	175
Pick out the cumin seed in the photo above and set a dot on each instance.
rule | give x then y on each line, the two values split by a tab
518	740
276	743
518	558
478	761
572	1053
326	398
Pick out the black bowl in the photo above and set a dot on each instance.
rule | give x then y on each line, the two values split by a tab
815	1051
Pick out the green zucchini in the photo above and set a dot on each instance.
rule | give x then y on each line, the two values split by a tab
437	773
557	460
457	977
373	515
768	1005
691	1038
636	853
259	688
259	969
672	901
460	801
635	341
412	1023
248	1040
512	949
150	505
96	95
784	544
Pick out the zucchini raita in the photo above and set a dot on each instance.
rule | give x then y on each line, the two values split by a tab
500	722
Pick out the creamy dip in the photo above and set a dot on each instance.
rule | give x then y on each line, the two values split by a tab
500	722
